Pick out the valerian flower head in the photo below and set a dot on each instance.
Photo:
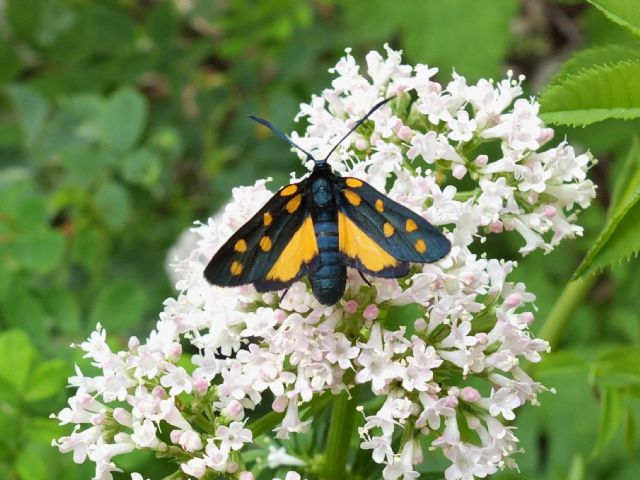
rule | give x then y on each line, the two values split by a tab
457	365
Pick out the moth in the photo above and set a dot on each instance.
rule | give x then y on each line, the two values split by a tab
320	226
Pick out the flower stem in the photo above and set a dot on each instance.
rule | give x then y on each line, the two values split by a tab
343	416
563	309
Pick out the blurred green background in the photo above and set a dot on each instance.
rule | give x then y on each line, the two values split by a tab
122	122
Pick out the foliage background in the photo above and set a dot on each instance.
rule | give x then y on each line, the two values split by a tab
122	122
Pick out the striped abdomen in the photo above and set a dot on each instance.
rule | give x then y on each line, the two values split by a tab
329	280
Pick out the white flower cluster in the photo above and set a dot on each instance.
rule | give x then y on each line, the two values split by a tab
432	149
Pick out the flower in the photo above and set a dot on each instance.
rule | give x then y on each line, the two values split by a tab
457	370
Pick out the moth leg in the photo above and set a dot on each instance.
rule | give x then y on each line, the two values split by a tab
286	290
364	278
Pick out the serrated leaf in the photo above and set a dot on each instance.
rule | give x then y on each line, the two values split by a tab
63	307
23	310
620	238
611	414
46	380
622	12
124	119
16	356
591	57
593	95
119	306
38	251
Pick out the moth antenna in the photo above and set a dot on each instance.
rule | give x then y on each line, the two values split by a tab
355	127
268	124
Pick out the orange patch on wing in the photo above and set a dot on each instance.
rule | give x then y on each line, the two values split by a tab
388	229
410	225
265	244
288	190
235	268
266	219
354	182
352	197
354	243
379	205
421	247
300	250
240	246
293	204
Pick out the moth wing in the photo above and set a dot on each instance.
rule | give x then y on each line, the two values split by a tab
273	249
379	236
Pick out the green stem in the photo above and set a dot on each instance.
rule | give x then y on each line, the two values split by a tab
572	295
343	416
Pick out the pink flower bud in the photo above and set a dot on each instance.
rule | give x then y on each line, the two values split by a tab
200	385
362	144
452	402
122	416
420	325
174	352
459	171
234	409
190	442
482	160
470	394
496	227
546	134
175	435
246	476
371	312
549	211
133	344
405	133
97	419
159	392
513	300
351	306
232	467
526	317
279	404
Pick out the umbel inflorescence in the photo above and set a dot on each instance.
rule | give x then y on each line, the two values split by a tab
453	366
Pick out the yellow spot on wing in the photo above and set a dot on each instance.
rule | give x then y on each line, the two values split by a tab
421	247
265	244
240	246
356	244
410	225
354	182
379	205
388	229
266	219
352	197
235	268
288	190
293	204
300	250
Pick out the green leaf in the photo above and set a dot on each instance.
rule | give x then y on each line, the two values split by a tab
620	238
142	167
611	414
38	251
577	468
48	379
622	12
123	120
23	310
31	463
63	308
32	110
593	95
119	306
16	356
591	57
113	204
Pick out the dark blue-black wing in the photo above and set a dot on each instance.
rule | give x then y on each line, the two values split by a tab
378	236
275	248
